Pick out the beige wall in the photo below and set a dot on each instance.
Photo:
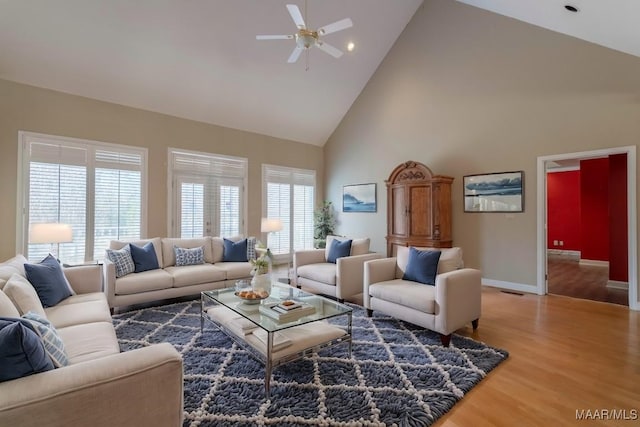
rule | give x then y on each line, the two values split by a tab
466	91
38	110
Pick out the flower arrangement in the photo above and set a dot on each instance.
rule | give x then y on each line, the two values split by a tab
260	265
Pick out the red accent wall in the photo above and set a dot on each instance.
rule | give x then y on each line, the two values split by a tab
618	245
563	210
594	203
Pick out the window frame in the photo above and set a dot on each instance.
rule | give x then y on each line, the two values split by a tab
25	138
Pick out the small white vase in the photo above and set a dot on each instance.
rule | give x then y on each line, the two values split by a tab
261	282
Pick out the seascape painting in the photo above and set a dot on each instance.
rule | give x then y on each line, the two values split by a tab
494	192
359	198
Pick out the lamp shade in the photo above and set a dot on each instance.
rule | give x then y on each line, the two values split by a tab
50	233
269	225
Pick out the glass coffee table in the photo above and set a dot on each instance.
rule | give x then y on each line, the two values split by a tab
272	341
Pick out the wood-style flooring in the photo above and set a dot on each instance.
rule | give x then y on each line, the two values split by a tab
567	277
566	354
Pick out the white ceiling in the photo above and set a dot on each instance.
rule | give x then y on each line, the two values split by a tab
199	59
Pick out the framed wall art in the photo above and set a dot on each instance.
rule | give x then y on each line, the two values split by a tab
494	192
359	198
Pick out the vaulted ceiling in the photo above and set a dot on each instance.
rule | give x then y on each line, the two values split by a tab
200	60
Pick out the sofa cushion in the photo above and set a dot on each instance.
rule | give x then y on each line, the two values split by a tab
195	274
11	266
7	309
168	243
79	298
122	260
89	341
408	294
450	259
21	351
359	246
189	256
48	280
52	342
235	270
63	315
151	280
338	249
323	272
422	266
144	258
157	245
23	295
235	251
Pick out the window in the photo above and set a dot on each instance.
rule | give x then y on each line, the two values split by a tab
289	194
207	194
95	187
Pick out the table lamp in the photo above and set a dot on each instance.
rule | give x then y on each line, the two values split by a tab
53	233
270	225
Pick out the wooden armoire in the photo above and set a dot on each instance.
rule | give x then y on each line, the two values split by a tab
418	208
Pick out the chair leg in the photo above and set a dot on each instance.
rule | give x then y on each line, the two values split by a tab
474	323
369	312
445	340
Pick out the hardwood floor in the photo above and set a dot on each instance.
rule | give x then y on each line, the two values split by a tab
567	277
566	354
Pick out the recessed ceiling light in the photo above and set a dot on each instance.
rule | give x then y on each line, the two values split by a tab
351	46
571	8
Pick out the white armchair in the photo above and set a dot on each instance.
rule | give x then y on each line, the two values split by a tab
342	279
449	305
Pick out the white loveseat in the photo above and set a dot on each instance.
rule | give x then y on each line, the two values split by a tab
100	386
453	302
342	279
171	281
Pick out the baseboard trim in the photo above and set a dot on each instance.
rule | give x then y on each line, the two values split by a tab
616	284
572	254
520	287
594	262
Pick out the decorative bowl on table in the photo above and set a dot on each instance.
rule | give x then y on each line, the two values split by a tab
251	296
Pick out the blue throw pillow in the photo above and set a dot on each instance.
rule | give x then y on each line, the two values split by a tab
235	251
422	266
189	256
48	280
339	249
21	351
52	342
144	257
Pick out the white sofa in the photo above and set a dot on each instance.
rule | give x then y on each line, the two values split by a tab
453	302
342	280
101	386
171	281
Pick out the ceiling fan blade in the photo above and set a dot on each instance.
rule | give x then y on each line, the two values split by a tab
335	52
274	37
294	55
336	26
296	16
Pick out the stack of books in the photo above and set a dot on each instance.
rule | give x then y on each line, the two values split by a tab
287	311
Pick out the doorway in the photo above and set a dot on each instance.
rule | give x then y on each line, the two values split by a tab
559	263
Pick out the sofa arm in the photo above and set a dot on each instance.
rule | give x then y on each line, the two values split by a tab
312	256
379	270
141	387
350	273
458	299
84	279
109	279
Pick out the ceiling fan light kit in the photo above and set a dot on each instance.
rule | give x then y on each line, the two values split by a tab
306	39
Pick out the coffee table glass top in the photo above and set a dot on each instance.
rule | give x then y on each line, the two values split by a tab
324	307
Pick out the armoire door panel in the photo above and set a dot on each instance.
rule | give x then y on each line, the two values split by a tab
420	211
399	224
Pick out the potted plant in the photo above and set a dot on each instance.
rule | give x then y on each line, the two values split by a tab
324	224
261	280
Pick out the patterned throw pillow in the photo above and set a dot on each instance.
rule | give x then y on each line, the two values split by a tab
53	345
251	248
185	256
122	259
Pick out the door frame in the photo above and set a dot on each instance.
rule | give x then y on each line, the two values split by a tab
632	237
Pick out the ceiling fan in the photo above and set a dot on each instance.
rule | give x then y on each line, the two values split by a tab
306	38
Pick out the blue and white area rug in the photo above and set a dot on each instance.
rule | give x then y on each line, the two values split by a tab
399	373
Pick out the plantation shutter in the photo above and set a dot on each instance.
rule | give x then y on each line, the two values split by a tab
208	194
289	196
